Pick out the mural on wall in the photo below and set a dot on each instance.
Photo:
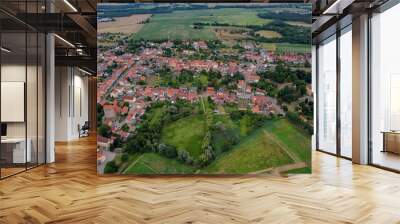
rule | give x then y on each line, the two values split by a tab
204	88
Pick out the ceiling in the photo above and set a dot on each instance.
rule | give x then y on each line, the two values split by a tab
330	15
74	22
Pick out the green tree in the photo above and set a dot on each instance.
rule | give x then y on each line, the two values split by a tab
104	130
100	114
111	167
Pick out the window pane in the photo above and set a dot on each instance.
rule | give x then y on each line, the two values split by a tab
41	99
385	92
346	92
31	97
327	95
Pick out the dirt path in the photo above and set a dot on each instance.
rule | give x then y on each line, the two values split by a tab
151	168
298	163
285	168
203	104
132	164
282	169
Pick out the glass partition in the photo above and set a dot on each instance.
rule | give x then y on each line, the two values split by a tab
31	98
346	92
385	89
327	95
41	97
13	121
22	101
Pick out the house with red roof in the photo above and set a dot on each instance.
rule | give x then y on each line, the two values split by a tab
124	110
128	99
103	142
241	84
210	91
109	111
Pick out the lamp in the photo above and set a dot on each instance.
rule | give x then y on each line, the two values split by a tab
64	40
5	50
70	5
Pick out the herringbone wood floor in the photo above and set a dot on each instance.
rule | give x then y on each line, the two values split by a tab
70	191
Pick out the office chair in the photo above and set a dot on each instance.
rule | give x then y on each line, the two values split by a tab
84	130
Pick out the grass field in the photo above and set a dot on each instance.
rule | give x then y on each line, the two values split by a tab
127	25
294	23
269	33
231	38
186	133
219	141
124	165
260	151
287	47
152	163
245	125
178	25
293	48
300	170
296	140
156	116
256	152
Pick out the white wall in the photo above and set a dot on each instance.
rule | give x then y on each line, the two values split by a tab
61	103
71	94
11	73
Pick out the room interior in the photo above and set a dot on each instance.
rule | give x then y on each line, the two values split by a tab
385	89
22	101
361	74
37	106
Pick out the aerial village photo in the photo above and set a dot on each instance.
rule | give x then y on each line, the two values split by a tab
204	88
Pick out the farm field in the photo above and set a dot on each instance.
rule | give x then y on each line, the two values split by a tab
263	149
127	25
153	163
269	33
287	47
178	25
256	152
294	23
295	139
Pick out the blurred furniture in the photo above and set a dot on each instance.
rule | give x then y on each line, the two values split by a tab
13	151
84	130
391	141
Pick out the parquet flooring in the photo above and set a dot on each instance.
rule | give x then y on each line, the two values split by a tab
70	191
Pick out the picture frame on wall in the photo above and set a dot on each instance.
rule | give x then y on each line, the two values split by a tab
220	88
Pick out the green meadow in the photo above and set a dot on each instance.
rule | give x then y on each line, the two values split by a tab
153	163
186	133
267	147
287	47
275	144
178	24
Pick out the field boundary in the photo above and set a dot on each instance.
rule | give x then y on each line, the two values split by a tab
292	155
133	163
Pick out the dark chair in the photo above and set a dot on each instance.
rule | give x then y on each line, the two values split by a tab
84	130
